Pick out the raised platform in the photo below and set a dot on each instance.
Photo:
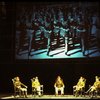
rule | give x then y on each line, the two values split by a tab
49	97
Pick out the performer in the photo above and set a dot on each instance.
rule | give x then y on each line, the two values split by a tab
95	86
81	31
80	85
18	84
59	86
36	85
64	32
50	36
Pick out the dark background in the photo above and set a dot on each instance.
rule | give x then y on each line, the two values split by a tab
47	70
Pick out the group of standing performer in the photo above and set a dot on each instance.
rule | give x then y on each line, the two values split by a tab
51	23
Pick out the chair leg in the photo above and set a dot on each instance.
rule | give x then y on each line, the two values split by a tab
20	94
32	93
15	94
77	93
73	93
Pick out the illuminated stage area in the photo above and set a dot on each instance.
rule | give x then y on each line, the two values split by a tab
51	97
58	53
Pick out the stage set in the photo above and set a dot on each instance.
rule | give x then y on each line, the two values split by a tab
48	73
50	50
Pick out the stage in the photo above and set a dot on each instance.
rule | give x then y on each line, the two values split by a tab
48	97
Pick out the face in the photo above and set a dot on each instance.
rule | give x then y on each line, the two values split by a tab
36	79
17	78
81	78
97	79
58	78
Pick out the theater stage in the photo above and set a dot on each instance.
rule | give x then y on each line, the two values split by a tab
6	96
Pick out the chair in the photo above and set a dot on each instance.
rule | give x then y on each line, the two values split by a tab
59	91
98	92
24	38
75	39
35	91
80	91
37	40
19	88
94	93
59	86
16	90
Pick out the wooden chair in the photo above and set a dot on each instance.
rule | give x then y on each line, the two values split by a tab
35	91
16	90
22	91
81	91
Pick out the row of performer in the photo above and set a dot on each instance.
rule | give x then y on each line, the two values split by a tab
59	86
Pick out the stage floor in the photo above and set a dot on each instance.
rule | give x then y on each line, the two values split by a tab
49	97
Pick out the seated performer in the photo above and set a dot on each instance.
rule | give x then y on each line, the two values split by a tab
95	86
80	85
59	86
36	85
20	86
